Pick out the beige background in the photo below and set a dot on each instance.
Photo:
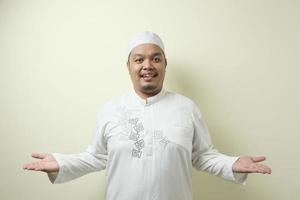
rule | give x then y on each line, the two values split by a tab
238	60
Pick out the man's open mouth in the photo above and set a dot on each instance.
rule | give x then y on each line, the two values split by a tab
148	76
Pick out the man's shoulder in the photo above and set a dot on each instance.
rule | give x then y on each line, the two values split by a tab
116	101
111	107
184	101
179	97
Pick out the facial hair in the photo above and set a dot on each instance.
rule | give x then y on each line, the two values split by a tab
148	88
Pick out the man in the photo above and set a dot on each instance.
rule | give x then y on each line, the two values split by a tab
148	140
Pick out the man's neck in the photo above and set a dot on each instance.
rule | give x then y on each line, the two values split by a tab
145	96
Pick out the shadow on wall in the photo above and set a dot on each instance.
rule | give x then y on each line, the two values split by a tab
186	81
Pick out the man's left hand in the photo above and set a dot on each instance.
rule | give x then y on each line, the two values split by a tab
248	164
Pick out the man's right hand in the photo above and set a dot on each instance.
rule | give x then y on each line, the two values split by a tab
46	163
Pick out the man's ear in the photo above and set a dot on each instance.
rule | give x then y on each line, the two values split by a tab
128	63
166	62
128	66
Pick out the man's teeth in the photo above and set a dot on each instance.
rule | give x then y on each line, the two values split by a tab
148	75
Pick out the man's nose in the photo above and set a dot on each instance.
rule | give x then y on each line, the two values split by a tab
147	65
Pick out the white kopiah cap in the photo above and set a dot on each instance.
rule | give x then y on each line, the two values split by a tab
146	37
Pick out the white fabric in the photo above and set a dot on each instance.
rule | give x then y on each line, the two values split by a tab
148	149
146	37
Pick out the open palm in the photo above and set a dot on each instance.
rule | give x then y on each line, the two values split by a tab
248	164
46	163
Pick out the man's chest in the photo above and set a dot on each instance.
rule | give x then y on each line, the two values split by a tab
147	131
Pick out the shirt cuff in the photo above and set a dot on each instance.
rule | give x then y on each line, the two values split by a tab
239	178
52	176
56	177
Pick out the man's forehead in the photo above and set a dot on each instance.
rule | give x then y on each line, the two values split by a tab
149	54
146	49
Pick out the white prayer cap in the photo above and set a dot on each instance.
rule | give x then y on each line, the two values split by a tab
146	37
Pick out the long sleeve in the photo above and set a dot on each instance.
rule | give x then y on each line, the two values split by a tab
94	158
206	158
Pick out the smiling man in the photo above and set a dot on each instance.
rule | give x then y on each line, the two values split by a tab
147	65
148	140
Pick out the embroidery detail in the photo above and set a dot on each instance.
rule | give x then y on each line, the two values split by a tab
140	144
143	141
133	121
164	142
136	153
134	136
138	127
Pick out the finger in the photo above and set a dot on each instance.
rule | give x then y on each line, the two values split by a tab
258	158
39	155
266	169
258	168
36	166
27	166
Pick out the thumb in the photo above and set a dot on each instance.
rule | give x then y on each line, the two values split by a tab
258	158
39	155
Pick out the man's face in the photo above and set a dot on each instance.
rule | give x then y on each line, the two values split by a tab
146	65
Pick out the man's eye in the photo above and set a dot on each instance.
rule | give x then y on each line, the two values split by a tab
138	60
156	59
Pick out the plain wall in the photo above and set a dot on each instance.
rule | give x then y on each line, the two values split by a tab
60	61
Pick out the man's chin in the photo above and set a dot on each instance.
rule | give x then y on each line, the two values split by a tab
149	89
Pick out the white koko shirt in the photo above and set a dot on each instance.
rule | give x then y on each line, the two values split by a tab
148	149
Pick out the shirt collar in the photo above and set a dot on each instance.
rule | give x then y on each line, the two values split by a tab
150	100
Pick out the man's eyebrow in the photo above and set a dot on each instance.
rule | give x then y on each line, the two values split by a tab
137	54
154	54
157	54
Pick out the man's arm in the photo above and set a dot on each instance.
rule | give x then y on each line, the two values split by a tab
62	168
208	159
